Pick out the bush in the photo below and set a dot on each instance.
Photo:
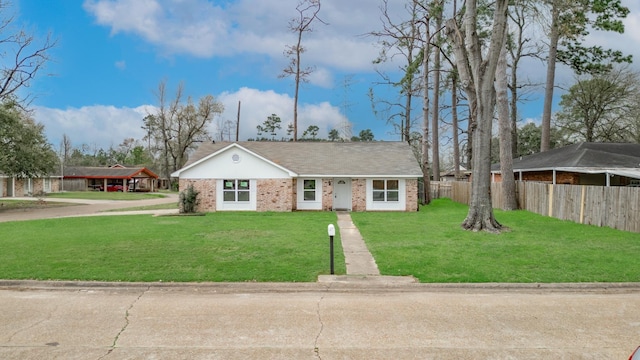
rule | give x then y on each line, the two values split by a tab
189	200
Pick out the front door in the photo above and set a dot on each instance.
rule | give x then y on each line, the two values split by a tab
342	194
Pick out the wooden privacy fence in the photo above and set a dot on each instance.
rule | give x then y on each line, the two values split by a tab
617	207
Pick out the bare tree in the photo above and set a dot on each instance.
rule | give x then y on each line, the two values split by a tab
21	58
401	40
307	13
179	127
477	75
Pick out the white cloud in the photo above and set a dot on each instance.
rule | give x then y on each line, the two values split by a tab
202	29
257	105
97	126
103	126
121	64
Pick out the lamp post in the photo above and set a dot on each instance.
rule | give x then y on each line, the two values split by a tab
332	232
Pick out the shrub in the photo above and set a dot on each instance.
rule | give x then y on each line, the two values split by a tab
189	200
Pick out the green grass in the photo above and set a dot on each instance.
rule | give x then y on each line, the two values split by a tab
223	247
432	246
101	195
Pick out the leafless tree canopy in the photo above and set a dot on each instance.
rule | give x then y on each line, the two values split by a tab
22	56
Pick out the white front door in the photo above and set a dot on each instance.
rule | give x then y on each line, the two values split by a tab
341	194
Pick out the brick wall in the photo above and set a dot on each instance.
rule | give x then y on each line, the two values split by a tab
358	194
20	187
327	194
294	194
412	194
544	176
274	195
207	193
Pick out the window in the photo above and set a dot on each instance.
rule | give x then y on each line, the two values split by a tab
309	190
46	186
385	190
236	190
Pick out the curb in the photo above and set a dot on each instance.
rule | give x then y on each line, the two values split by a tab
327	283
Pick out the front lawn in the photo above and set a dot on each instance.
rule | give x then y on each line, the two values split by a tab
221	247
432	246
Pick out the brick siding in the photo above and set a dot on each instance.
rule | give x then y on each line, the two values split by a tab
411	189
274	195
359	195
327	194
206	193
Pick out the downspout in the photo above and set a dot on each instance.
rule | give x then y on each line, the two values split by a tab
608	181
554	176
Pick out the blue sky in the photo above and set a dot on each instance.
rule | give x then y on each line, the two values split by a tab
112	54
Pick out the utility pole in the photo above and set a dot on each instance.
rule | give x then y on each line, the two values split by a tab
238	123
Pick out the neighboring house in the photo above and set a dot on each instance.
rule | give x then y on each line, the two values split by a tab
604	164
115	178
287	176
11	186
463	174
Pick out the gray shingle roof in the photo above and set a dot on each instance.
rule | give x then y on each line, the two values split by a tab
104	172
583	155
329	158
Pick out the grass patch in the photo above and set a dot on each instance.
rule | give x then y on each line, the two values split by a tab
222	247
432	246
101	195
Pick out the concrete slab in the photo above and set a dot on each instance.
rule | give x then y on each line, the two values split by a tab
316	320
357	257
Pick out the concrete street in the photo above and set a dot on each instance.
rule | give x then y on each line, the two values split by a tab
343	319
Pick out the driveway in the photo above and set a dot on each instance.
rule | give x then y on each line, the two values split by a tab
316	321
85	208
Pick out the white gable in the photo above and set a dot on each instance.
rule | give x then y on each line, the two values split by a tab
235	162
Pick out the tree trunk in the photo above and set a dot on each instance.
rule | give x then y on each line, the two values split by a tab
454	125
425	117
478	76
435	118
508	183
545	138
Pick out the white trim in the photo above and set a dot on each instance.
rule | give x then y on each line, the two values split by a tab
234	145
221	205
301	203
347	195
46	185
400	205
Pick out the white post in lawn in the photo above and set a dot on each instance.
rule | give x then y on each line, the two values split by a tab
332	232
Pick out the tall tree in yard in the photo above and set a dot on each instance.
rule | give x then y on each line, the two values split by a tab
571	21
307	13
178	127
477	75
508	184
400	42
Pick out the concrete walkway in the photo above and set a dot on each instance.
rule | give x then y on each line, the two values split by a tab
361	266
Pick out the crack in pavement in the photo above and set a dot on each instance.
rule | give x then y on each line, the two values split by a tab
316	350
126	324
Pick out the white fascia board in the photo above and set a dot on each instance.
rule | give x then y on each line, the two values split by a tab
234	145
352	176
